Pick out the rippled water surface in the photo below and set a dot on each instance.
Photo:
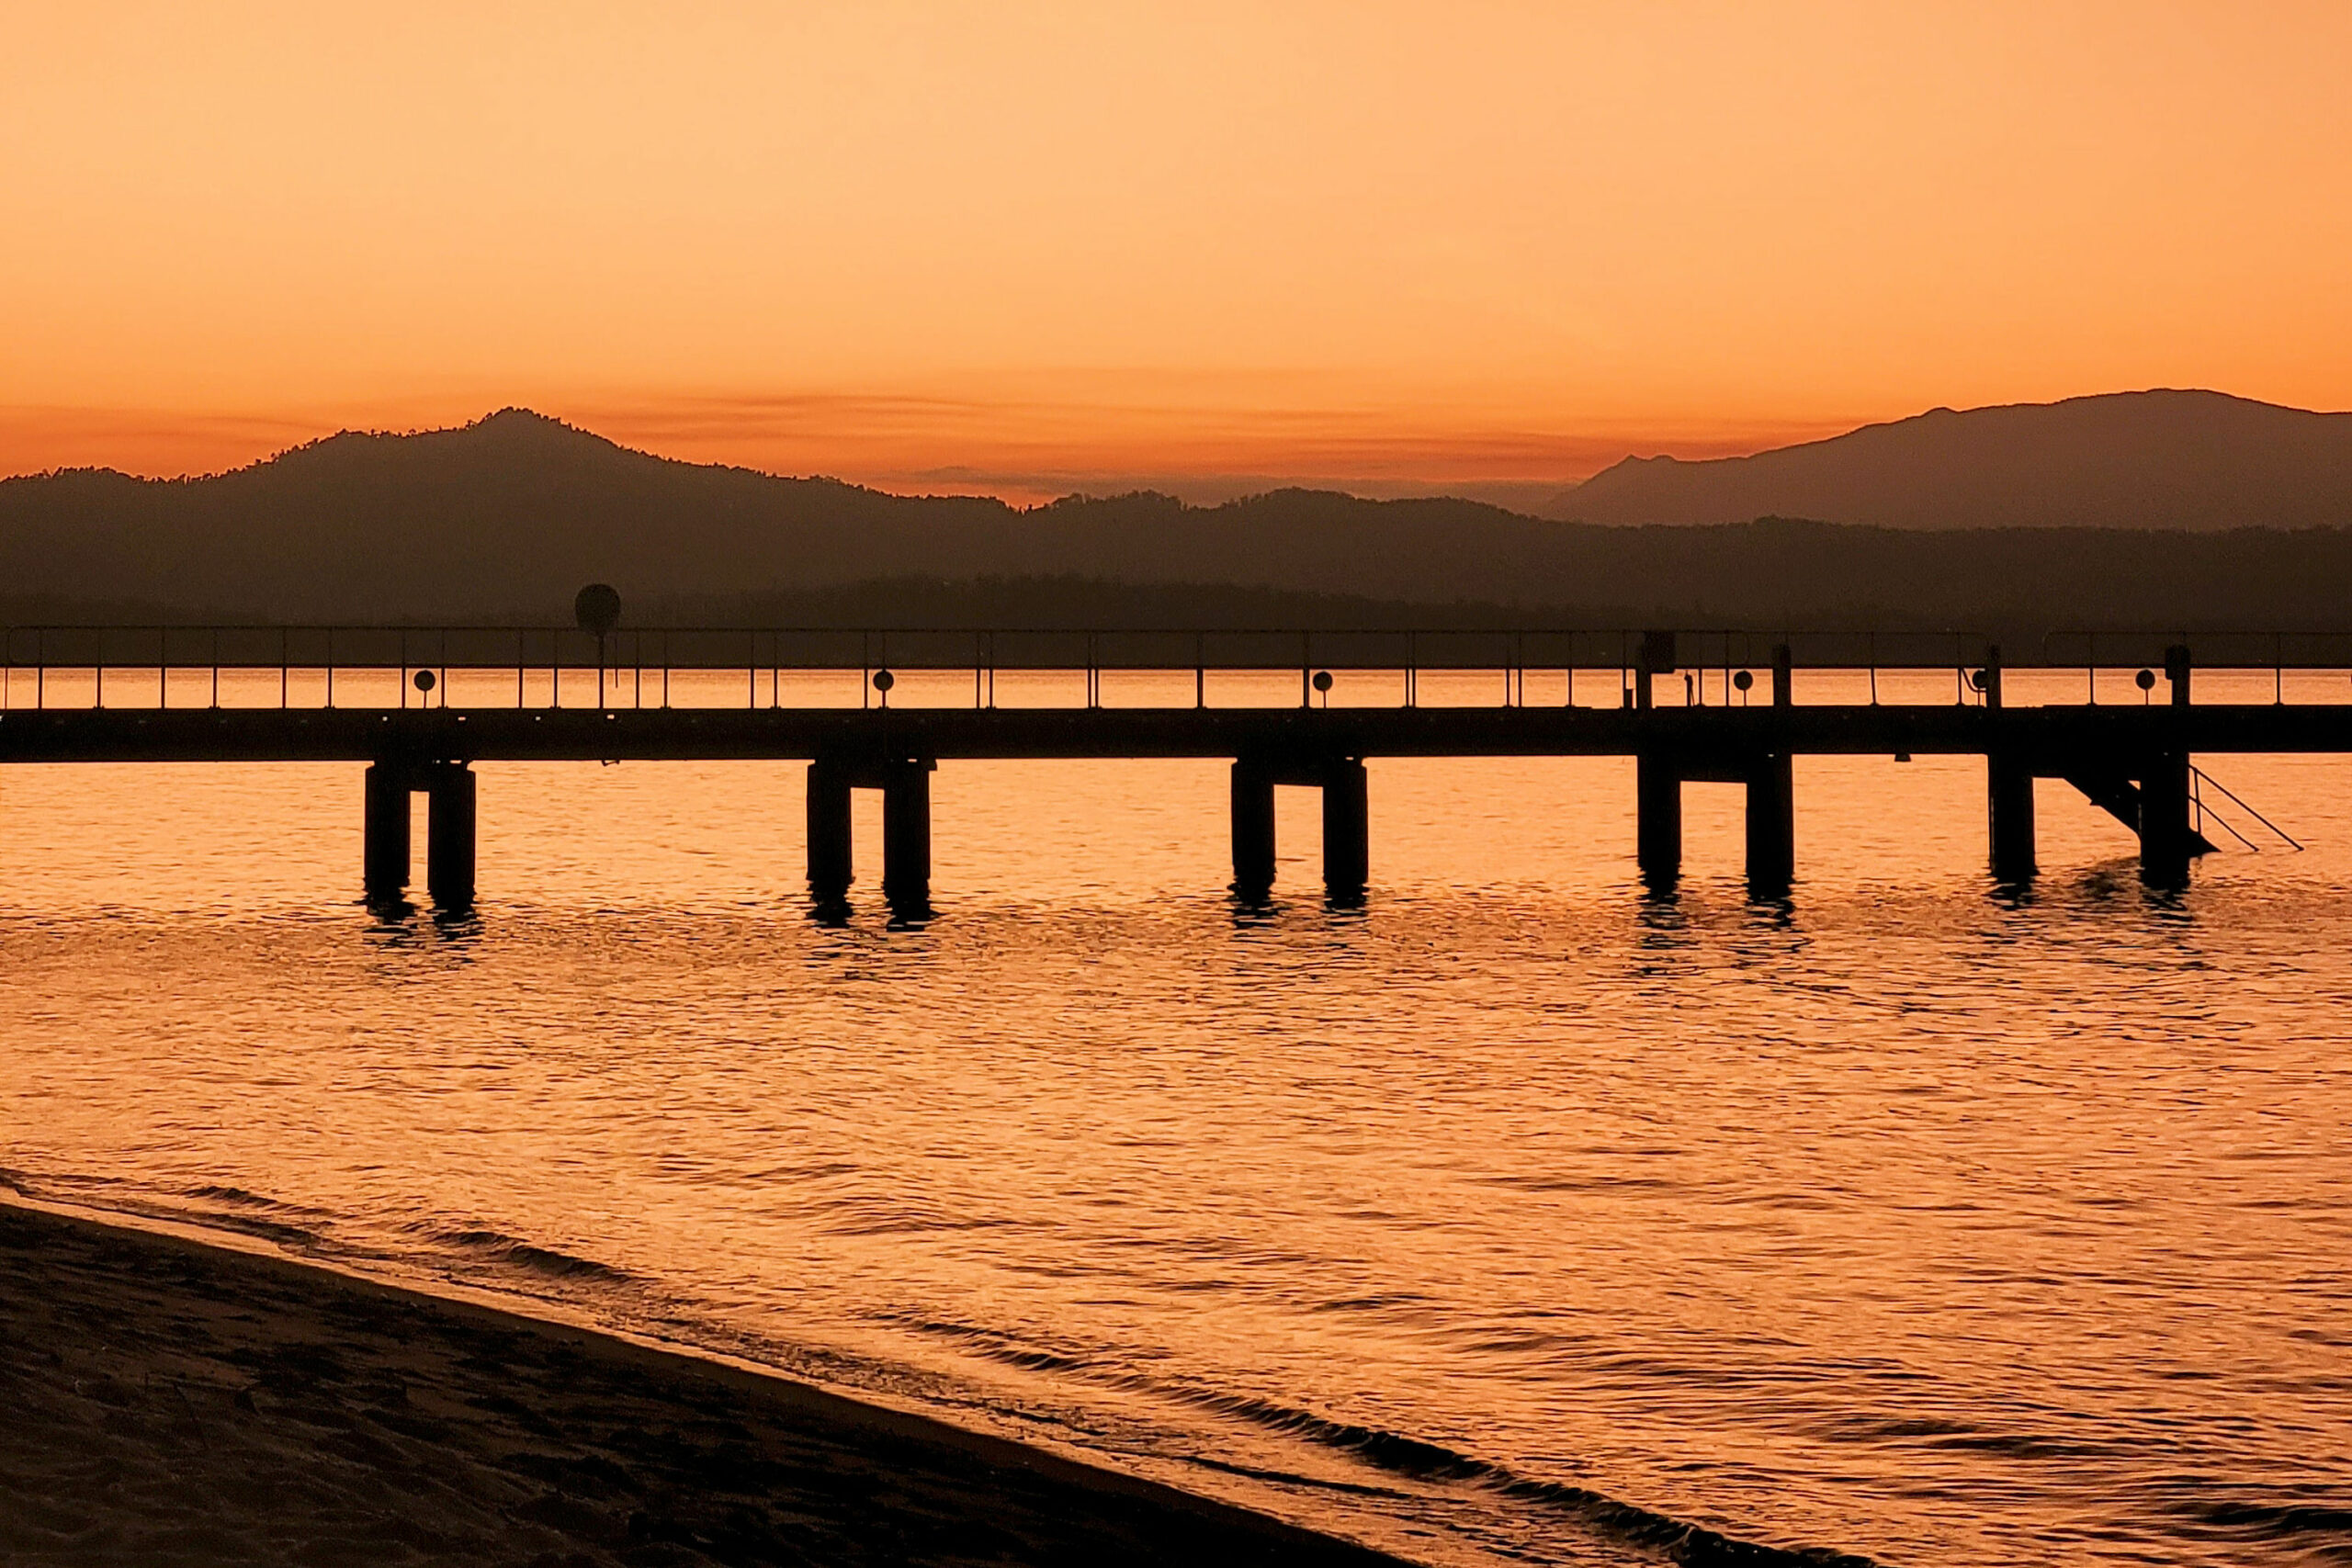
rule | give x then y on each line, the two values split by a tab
1514	1215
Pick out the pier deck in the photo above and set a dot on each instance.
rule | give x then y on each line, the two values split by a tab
358	734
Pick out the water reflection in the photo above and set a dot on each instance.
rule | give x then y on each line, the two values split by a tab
1907	1214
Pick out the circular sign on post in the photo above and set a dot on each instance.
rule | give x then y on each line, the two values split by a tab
598	608
883	680
1323	680
425	681
1743	679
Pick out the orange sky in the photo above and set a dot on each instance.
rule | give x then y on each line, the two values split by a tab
1031	248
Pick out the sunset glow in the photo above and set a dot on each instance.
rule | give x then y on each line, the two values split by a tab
1028	249
1364	784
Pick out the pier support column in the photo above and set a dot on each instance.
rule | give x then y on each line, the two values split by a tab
1254	829
2009	817
1346	833
906	837
1658	827
386	852
449	836
2164	839
1771	827
829	832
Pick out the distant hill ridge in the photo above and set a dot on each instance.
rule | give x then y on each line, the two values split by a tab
2157	460
504	518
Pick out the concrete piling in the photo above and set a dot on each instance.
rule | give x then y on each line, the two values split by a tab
449	835
2166	840
1347	848
2008	817
1254	829
385	854
1657	824
829	832
1771	826
2009	794
905	836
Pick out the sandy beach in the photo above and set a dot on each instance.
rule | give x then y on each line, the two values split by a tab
170	1403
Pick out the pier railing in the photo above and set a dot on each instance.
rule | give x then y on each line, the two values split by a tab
544	666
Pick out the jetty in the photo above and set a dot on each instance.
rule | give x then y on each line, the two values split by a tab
417	708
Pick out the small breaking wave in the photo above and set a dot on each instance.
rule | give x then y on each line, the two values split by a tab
497	1247
1395	1453
111	1196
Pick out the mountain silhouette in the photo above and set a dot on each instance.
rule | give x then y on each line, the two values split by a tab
501	520
516	510
2155	459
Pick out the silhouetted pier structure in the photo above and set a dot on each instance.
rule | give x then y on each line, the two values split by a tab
436	701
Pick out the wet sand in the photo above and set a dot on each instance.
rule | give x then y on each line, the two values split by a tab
167	1403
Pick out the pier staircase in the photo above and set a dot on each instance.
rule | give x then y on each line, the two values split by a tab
2119	797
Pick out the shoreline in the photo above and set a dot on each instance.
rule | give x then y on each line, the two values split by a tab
182	1403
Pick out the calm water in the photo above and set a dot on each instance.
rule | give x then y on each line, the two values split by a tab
1513	1218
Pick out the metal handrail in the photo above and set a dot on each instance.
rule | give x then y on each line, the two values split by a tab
2203	778
329	648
